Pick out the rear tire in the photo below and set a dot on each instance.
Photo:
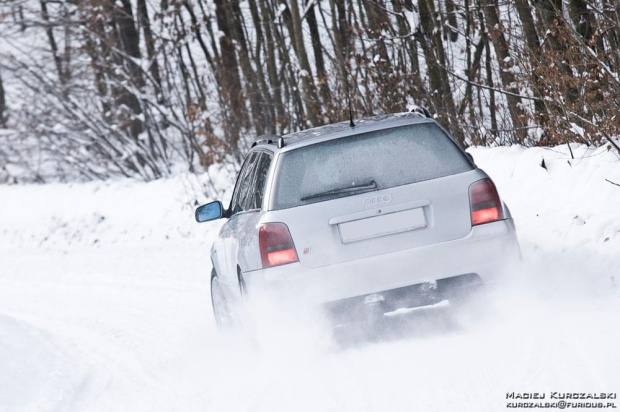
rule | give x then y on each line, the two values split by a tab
221	310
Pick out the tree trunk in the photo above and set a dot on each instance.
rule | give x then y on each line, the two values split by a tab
125	36
489	73
378	22
296	116
451	17
434	53
145	22
3	118
341	40
584	21
268	112
317	48
129	39
230	82
280	121
533	45
253	93
527	21
417	91
310	96
52	42
494	28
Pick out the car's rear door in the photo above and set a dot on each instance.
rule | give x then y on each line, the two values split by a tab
421	194
242	227
227	244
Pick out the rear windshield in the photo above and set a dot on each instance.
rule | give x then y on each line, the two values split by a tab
366	162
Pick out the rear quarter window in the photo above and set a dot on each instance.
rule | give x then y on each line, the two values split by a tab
389	157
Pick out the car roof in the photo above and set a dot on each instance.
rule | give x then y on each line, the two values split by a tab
343	129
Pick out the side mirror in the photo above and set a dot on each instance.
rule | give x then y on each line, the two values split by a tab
210	211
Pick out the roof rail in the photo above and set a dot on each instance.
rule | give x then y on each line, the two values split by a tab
262	141
420	110
269	139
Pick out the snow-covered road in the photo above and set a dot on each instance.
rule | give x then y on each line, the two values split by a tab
128	328
120	319
101	329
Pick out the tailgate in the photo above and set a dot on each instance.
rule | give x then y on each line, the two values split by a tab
378	222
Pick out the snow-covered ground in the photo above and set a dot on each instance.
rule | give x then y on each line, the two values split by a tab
104	306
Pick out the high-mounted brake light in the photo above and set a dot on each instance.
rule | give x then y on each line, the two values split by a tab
276	245
484	202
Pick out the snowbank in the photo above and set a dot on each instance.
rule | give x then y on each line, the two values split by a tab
105	212
568	204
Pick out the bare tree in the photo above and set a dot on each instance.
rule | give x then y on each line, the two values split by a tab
136	88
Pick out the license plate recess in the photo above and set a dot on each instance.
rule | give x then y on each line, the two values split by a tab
382	225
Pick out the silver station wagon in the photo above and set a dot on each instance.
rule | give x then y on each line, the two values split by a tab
388	213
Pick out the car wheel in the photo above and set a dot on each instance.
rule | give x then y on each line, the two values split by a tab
221	310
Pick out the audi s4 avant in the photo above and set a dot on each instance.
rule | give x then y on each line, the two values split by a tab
388	213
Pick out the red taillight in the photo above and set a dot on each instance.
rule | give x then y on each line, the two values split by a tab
484	202
276	245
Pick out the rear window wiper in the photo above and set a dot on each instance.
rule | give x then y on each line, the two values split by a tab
372	185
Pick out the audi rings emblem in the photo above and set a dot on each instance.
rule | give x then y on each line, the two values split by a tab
377	200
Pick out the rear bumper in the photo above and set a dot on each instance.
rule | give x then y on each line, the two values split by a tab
414	296
485	252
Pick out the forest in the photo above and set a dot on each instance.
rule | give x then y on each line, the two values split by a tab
97	89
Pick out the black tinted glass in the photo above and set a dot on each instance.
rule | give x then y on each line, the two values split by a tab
243	183
260	178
